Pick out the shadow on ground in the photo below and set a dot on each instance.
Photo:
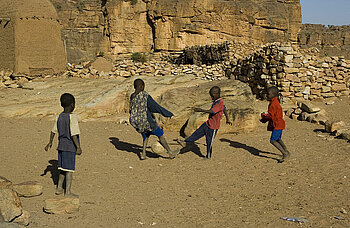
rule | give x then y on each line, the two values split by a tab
53	169
250	149
131	148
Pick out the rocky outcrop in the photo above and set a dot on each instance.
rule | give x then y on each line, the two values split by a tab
61	205
121	27
30	37
331	41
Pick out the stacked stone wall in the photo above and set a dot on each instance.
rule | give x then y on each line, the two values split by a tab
297	73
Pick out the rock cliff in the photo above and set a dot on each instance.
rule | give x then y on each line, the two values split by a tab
117	27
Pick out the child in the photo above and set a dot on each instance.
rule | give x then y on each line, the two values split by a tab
276	123
212	125
142	107
68	131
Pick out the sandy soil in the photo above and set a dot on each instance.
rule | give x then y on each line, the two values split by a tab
242	186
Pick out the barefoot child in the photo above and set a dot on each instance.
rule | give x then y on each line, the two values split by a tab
276	123
67	128
142	107
212	125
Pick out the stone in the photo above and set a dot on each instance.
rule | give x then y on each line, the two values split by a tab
8	225
291	70
308	107
339	87
4	183
28	189
319	119
298	111
332	126
102	64
306	90
289	112
307	116
346	135
157	148
23	219
62	205
10	204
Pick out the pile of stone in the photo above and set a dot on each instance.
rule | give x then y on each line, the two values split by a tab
10	80
305	111
11	210
297	75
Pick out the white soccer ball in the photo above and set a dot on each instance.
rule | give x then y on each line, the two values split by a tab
157	148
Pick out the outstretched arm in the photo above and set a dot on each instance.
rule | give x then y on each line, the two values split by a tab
49	145
203	110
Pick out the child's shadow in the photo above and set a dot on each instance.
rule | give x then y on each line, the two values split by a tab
53	169
133	148
252	150
194	148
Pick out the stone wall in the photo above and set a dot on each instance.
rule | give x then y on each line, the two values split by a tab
331	41
297	73
31	35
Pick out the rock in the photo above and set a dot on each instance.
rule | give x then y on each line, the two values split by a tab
157	148
28	189
4	183
307	116
23	219
289	112
295	116
10	204
339	87
238	100
308	107
61	205
332	126
319	119
8	225
346	135
298	111
102	64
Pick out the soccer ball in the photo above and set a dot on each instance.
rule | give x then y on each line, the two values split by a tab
157	147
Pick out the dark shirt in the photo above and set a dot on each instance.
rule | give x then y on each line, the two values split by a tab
66	126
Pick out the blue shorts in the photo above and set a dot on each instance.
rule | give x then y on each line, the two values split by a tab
66	161
158	132
276	135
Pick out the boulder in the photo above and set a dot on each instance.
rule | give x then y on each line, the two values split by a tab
238	100
8	225
23	219
10	204
332	126
346	135
320	119
308	107
4	183
62	205
28	189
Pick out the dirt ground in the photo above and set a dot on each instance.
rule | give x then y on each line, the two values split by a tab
242	186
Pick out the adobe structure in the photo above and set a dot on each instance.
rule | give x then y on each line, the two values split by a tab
30	37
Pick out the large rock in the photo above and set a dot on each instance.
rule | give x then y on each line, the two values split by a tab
28	189
238	100
10	204
4	183
332	126
8	225
61	205
23	219
308	107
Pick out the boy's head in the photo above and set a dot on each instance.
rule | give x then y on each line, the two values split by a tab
214	92
272	92
139	84
67	101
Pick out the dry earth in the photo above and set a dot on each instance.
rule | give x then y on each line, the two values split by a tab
237	188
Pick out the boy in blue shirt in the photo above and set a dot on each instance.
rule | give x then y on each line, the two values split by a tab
67	128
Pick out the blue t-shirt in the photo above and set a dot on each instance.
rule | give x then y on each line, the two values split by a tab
66	126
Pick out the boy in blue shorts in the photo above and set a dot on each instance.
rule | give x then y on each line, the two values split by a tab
142	107
276	124
67	128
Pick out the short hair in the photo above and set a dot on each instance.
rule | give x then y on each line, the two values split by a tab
274	90
138	82
67	99
215	89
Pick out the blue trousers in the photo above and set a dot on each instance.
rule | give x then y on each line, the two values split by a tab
209	134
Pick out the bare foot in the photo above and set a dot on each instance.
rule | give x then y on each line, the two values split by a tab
59	191
71	195
172	154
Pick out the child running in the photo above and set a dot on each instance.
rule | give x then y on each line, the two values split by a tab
67	127
276	123
211	126
142	107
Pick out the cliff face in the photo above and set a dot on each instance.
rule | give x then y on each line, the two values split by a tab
125	26
332	41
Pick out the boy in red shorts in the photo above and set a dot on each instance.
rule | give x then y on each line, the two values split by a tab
276	123
212	125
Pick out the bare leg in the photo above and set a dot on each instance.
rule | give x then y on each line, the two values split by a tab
164	143
143	153
59	189
69	179
285	154
285	149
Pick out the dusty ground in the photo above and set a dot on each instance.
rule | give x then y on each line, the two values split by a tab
237	188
